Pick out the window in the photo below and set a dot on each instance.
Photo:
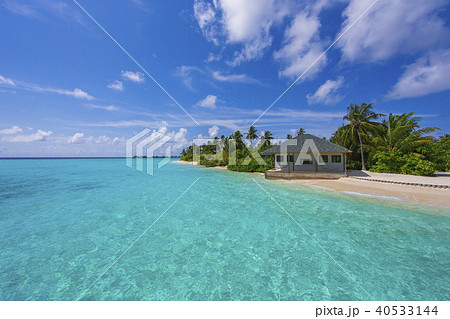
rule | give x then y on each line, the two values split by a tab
336	158
291	158
307	161
324	158
280	158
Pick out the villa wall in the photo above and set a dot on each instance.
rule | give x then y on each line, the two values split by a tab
302	164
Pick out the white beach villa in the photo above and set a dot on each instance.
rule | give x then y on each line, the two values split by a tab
309	154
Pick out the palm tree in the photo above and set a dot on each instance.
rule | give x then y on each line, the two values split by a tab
401	133
301	131
289	136
237	136
360	124
267	137
251	135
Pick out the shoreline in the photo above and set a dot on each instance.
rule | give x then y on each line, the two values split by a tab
434	197
197	164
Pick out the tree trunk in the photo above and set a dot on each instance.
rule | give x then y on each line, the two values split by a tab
362	153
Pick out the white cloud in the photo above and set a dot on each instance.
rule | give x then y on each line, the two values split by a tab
6	81
205	14
185	73
116	85
77	93
429	74
208	102
103	107
213	131
38	136
102	139
213	57
11	131
136	77
326	93
77	138
174	140
302	46
243	22
116	140
390	27
237	78
42	9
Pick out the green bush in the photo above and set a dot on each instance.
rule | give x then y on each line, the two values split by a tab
417	166
351	164
398	163
437	152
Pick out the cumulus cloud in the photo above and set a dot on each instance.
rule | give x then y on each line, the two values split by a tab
326	93
390	27
78	93
116	85
245	22
77	138
10	131
427	75
136	77
34	137
167	142
213	131
116	140
302	46
205	14
208	102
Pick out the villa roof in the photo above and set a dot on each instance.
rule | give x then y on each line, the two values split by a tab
322	145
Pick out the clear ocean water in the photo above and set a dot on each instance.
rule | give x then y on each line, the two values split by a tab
63	222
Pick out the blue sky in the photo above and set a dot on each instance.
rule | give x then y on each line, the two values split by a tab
67	89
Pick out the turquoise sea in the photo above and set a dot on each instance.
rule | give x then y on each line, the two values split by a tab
63	222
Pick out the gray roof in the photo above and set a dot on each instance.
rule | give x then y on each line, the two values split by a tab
322	145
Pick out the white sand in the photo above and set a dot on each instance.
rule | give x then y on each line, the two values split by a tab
415	194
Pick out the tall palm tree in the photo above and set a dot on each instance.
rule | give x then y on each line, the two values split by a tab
360	124
251	134
237	136
267	137
301	131
401	133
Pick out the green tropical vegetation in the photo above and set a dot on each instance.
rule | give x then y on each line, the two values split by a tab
381	143
217	152
396	144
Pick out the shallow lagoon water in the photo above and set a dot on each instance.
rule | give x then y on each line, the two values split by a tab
65	221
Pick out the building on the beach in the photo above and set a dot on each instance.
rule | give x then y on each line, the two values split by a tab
308	153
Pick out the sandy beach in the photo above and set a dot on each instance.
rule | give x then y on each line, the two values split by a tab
197	164
413	194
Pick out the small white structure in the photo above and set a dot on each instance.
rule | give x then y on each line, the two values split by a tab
309	153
